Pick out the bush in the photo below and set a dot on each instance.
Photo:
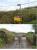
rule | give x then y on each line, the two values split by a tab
6	38
1	42
11	37
29	36
3	35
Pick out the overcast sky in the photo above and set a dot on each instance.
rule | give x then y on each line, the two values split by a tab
12	4
18	27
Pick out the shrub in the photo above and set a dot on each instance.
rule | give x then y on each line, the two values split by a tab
30	36
6	38
1	42
10	37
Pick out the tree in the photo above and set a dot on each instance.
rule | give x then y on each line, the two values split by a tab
3	36
35	27
34	35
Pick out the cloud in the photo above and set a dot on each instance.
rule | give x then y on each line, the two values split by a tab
17	27
8	8
6	5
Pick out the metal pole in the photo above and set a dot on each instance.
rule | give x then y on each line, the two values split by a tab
19	5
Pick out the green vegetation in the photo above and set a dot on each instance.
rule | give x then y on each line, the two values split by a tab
34	47
6	37
31	37
35	28
10	37
28	15
1	42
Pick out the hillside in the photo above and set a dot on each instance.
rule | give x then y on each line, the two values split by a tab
28	14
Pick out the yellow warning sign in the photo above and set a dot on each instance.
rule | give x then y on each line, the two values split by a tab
17	19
